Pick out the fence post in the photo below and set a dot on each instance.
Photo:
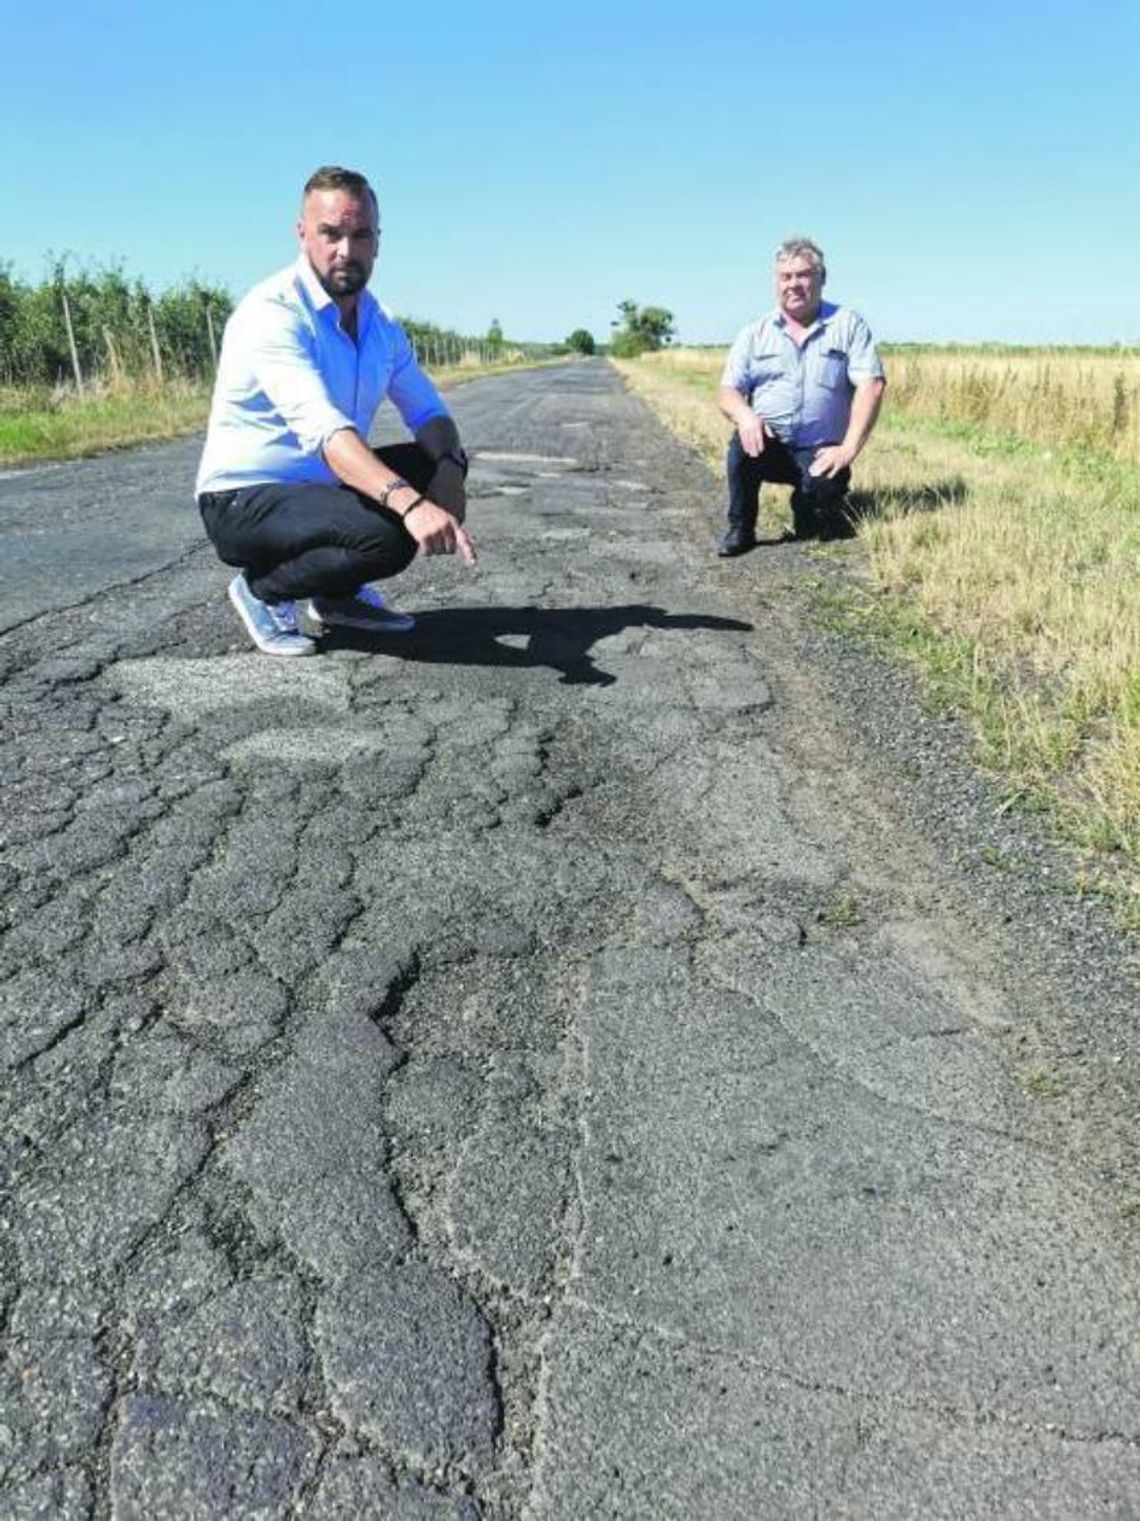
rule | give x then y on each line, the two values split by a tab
210	336
154	343
71	341
113	361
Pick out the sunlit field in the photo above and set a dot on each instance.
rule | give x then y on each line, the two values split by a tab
1001	501
1087	398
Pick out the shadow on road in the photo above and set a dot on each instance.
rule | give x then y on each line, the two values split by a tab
560	638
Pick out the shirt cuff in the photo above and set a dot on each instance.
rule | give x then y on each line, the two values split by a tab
324	428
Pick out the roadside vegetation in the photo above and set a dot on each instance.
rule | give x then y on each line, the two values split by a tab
92	361
640	330
1000	524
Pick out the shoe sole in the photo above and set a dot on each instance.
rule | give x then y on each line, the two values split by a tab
286	651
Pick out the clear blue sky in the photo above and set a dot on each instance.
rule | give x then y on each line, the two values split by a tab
971	169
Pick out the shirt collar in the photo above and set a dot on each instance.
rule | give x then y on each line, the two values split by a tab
317	296
823	316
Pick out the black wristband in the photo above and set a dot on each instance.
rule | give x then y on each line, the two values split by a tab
411	508
398	484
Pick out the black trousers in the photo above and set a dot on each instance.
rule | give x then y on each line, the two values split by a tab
296	540
817	501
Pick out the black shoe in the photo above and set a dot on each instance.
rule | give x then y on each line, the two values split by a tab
837	527
737	541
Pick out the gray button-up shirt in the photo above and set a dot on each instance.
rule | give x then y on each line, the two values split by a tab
803	394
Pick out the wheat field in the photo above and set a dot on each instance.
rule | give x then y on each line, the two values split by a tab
1083	398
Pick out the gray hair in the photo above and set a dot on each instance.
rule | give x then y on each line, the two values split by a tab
802	248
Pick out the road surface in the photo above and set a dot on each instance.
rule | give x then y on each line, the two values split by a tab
547	1066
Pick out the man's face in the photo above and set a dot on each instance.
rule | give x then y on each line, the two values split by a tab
798	287
340	235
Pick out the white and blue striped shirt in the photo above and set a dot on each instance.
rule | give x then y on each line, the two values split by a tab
289	377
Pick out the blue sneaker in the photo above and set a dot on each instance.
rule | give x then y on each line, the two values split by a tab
367	610
271	625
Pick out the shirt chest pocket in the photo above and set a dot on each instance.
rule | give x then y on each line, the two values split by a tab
764	368
829	369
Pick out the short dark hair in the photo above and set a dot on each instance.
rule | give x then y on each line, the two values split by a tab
333	177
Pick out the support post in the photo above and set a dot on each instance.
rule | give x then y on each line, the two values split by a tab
154	343
71	341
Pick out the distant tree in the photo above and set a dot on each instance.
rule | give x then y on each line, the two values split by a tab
494	338
581	341
641	329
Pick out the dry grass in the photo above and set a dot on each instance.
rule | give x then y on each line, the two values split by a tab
1083	398
1086	398
1011	572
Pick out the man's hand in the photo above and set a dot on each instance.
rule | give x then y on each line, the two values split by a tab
753	431
437	532
831	459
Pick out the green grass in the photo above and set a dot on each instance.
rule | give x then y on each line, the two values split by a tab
35	427
37	424
1039	1082
1081	463
842	912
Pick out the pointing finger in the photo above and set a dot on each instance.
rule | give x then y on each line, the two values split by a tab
465	545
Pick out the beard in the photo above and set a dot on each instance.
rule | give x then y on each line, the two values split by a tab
345	280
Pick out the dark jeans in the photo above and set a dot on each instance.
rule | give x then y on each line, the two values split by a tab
296	540
817	501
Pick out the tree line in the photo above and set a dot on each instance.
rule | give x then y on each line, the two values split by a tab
98	325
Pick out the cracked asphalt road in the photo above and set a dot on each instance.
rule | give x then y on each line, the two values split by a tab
525	1069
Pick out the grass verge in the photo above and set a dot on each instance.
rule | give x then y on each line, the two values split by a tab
1008	573
37	424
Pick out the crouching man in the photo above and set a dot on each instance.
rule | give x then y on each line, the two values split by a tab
803	386
288	488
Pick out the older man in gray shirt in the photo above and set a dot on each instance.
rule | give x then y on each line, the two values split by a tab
803	386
